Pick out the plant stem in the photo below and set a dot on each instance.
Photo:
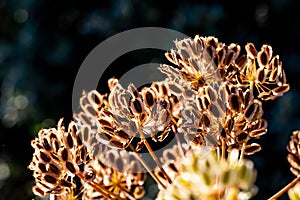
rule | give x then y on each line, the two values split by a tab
283	190
242	152
218	152
154	156
223	149
182	152
104	192
142	161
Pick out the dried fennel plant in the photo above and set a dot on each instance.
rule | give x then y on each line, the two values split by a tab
294	160
209	112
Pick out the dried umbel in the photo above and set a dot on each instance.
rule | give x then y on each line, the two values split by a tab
118	172
130	115
294	192
205	60
58	154
212	178
210	104
144	113
294	153
263	71
224	110
198	60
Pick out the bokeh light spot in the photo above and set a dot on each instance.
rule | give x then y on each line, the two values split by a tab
21	15
21	102
4	171
48	123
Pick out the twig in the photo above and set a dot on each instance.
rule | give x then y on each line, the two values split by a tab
104	192
283	190
223	149
154	156
242	152
142	161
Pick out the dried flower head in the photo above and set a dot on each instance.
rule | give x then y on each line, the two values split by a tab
118	172
208	104
294	192
58	154
202	60
263	71
212	178
294	153
144	113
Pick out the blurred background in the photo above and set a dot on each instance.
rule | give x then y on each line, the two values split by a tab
43	43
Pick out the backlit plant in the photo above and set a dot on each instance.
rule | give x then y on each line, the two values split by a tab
209	110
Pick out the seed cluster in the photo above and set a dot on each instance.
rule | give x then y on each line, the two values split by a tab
211	178
211	100
294	153
58	154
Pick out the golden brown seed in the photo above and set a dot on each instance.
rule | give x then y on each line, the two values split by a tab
228	58
42	167
136	105
251	111
281	89
262	58
50	179
252	148
46	144
122	134
205	120
251	51
149	98
242	137
241	61
104	122
45	157
54	169
234	102
70	142
258	133
116	144
64	154
261	75
66	183
70	167
37	191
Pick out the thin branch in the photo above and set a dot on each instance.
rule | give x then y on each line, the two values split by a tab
179	143
143	162
223	149
242	152
104	192
154	156
283	190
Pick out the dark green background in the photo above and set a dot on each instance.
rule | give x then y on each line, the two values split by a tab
39	59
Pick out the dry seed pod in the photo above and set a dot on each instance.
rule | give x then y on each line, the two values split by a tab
263	73
116	171
251	50
294	153
55	160
199	60
252	148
